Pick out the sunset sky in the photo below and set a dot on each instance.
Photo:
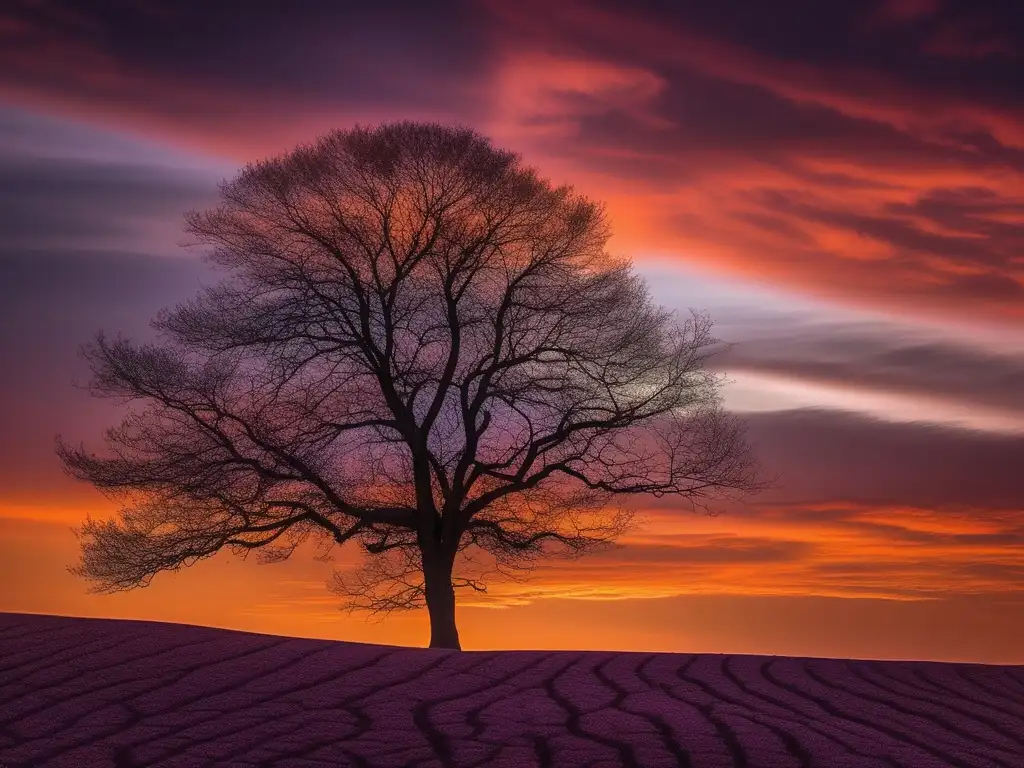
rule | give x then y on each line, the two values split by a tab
840	184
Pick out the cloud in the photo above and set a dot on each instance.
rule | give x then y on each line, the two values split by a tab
241	84
551	96
818	153
828	455
832	549
788	350
826	153
88	233
49	203
879	359
71	188
970	240
863	509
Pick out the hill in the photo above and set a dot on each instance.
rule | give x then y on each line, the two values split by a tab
86	693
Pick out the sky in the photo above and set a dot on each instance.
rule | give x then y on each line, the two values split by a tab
840	185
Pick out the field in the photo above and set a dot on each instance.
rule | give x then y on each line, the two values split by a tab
93	692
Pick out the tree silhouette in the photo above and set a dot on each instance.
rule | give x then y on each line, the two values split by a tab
422	347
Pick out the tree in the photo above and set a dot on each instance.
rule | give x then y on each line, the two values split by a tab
422	347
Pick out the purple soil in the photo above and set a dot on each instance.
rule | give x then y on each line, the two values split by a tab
96	692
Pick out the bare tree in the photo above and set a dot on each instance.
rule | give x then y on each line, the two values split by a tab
422	347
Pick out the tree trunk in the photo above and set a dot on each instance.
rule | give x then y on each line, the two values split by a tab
437	581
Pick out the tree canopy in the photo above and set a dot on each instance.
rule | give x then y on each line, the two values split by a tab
420	346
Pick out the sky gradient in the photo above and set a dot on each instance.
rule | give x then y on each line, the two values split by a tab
841	185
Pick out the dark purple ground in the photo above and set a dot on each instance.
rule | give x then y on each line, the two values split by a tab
92	692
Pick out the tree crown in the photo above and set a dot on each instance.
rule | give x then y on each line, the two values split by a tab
422	346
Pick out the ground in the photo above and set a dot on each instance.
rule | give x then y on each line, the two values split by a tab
95	692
